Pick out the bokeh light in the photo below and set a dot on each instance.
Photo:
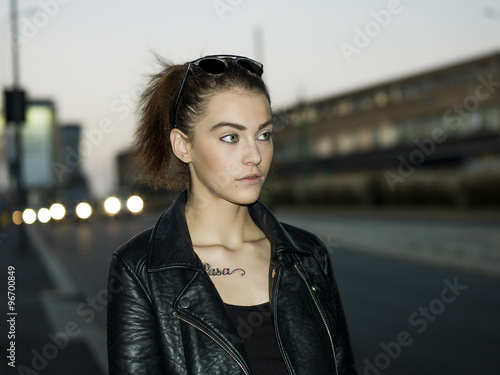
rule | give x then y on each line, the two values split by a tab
44	215
57	211
29	216
83	210
112	205
17	217
135	204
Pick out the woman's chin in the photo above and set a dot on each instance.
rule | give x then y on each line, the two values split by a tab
246	196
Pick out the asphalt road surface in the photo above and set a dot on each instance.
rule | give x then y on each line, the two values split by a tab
405	316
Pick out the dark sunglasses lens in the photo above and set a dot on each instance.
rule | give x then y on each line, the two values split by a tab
250	66
212	66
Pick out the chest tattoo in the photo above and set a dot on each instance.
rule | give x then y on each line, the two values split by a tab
222	271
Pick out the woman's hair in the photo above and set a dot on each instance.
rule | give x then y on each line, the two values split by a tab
151	147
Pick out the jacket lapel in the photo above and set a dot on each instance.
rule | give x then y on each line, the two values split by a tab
170	243
200	305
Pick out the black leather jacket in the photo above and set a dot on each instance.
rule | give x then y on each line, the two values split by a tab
166	317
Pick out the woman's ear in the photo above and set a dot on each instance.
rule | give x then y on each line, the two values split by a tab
180	145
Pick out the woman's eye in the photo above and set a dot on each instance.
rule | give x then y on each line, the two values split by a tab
266	136
230	138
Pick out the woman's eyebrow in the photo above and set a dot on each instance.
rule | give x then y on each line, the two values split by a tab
238	126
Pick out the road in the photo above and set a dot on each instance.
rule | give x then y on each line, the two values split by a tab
406	313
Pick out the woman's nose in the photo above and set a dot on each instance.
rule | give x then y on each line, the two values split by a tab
252	154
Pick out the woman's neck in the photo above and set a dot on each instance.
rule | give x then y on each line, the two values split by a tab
216	221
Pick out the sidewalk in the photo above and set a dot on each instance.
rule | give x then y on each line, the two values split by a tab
437	214
466	240
40	347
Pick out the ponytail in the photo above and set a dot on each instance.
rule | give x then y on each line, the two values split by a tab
151	148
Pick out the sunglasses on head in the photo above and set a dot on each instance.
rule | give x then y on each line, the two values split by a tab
214	65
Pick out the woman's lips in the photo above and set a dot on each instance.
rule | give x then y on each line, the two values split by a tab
250	180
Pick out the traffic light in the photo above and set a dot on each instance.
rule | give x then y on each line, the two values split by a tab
15	106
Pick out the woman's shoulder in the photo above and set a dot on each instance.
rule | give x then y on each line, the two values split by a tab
135	251
302	236
307	241
310	242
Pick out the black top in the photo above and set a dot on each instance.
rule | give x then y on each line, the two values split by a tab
255	327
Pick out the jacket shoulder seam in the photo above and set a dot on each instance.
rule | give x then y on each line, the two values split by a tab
302	236
130	269
311	241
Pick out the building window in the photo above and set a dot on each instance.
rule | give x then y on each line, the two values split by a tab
386	135
345	107
492	119
365	140
474	123
346	143
381	98
395	94
324	147
366	103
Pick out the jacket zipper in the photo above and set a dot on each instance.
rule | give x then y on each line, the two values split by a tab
276	279
318	307
216	341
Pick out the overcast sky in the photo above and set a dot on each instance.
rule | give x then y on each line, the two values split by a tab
91	57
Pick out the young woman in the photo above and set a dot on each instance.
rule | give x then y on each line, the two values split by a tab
219	285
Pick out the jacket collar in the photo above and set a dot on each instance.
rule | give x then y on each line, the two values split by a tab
170	244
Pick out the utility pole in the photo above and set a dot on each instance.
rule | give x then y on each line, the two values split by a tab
15	107
15	103
15	42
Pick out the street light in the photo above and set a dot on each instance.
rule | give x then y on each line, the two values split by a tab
83	210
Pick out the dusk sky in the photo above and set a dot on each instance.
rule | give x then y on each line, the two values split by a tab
92	57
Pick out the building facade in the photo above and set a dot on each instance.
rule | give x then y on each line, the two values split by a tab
429	138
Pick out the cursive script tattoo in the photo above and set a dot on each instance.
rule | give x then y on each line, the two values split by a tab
222	272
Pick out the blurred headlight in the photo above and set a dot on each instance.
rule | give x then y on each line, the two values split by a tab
17	217
83	210
29	216
135	204
112	205
43	215
57	211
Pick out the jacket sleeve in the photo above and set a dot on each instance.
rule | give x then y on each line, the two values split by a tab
344	356
133	343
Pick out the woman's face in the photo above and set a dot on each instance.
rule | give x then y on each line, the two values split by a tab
232	149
